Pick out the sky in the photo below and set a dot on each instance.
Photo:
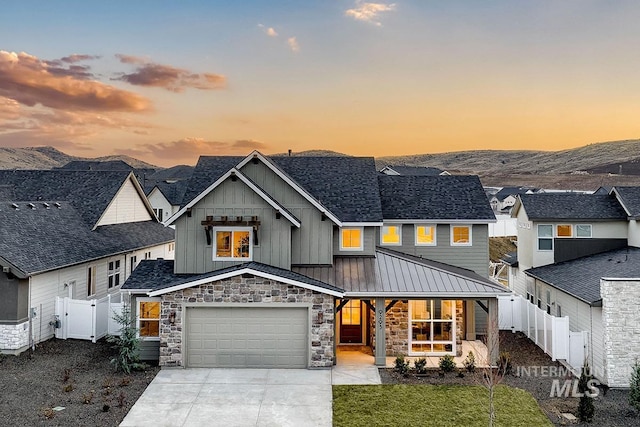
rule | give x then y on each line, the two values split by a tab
167	81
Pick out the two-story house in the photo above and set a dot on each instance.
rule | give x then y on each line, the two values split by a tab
280	259
67	233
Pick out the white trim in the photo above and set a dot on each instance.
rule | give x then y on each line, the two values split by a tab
562	224
544	237
434	231
231	229
351	249
440	221
619	197
469	243
433	295
431	321
362	224
147	299
245	270
584	237
143	197
382	234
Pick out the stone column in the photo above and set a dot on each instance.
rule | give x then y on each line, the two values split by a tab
381	354
493	336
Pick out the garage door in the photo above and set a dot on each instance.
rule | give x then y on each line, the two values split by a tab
244	337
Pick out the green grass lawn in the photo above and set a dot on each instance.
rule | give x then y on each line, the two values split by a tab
432	405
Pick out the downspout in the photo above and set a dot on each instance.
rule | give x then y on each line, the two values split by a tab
31	342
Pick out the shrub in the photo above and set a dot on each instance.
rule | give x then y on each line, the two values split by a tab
401	365
634	387
421	366
66	375
87	398
127	344
67	388
447	364
470	362
504	363
586	409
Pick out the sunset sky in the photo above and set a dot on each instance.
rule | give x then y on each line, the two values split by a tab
166	81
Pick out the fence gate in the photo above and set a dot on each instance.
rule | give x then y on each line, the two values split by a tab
87	320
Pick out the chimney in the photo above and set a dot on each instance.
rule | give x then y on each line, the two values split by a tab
289	152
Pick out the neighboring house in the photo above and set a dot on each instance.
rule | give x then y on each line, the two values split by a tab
280	259
503	200
143	174
67	233
412	170
165	197
568	243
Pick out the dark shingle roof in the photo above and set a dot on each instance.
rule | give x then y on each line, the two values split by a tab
630	198
96	165
416	170
42	239
581	277
433	197
90	192
511	259
510	191
571	206
172	191
206	172
155	275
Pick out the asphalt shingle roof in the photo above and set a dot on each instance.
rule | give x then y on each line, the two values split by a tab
571	206
434	197
44	238
206	172
172	191
416	170
630	198
581	277
155	275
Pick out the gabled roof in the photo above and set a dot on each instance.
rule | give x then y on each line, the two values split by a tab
412	170
570	207
392	274
172	191
35	238
581	277
89	192
448	198
156	277
629	198
510	258
206	172
505	192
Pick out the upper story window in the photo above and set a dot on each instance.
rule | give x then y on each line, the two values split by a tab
391	235
425	235
113	274
231	244
351	239
159	213
545	237
461	235
583	230
564	230
134	262
91	281
148	318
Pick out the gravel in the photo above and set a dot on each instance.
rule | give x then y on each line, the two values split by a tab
72	374
535	372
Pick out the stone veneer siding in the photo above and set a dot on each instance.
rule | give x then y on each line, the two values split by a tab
253	290
14	337
621	324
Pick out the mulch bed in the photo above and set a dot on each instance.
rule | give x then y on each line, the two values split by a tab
611	406
72	374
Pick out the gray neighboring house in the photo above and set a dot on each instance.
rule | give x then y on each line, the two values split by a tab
281	259
68	233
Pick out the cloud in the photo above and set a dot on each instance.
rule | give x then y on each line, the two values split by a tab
293	44
270	31
167	77
190	149
31	81
369	12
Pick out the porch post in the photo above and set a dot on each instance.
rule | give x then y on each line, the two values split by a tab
470	320
381	353
493	336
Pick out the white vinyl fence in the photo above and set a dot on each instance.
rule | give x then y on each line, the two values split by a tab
550	333
87	320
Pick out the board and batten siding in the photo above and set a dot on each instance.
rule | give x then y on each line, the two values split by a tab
231	199
126	206
369	243
312	243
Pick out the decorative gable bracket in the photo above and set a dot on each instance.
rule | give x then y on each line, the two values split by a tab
234	221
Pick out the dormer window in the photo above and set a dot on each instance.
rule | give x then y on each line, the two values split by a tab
351	239
390	235
232	244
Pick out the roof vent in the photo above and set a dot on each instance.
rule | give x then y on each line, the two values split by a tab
15	206
46	205
58	205
31	205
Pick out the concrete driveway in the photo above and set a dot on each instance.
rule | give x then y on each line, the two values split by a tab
235	397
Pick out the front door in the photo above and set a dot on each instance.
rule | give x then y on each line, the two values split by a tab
351	323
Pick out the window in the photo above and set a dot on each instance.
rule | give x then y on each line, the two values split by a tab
113	274
172	247
391	235
147	255
530	295
148	318
548	302
558	310
425	235
545	237
232	244
134	262
432	326
159	213
583	230
91	281
351	313
351	239
461	235
564	230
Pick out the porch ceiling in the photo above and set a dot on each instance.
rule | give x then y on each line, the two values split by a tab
395	275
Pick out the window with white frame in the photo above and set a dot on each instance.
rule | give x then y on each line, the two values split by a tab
545	237
147	255
148	315
231	244
583	231
133	262
425	235
461	235
113	274
564	230
91	280
391	235
432	327
351	239
548	301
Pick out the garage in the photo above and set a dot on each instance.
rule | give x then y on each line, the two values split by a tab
246	337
